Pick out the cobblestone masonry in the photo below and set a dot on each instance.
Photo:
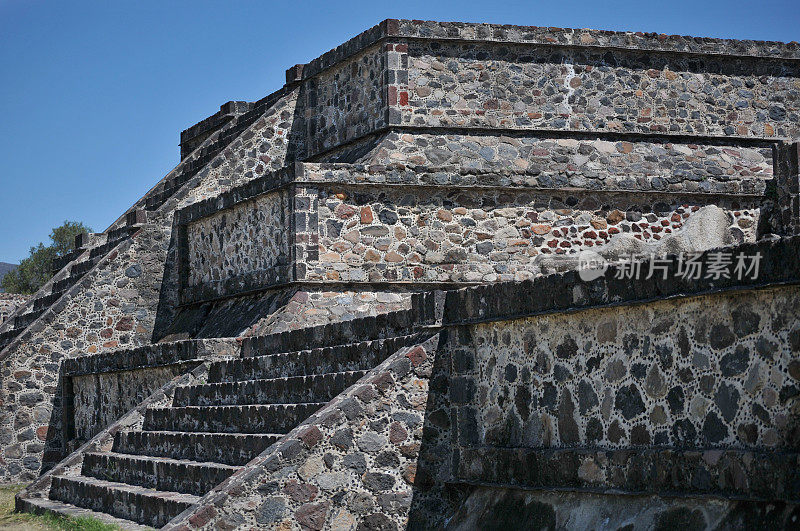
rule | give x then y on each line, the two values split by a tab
505	508
265	146
315	478
111	307
351	465
249	239
485	85
705	372
346	102
673	162
448	153
483	236
103	387
279	310
315	308
100	399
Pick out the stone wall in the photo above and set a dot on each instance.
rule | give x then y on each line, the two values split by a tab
479	235
101	388
639	395
267	145
370	224
236	250
518	86
100	399
419	440
346	101
111	307
595	160
504	508
703	372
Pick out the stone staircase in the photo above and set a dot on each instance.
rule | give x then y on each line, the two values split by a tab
210	430
80	261
74	265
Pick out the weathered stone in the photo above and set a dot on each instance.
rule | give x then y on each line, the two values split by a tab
371	442
271	510
727	400
312	515
629	401
655	384
377	481
587	398
714	430
300	492
567	427
616	370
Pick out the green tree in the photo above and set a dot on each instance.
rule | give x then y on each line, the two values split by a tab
35	270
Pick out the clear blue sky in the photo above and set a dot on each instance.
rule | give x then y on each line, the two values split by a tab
93	95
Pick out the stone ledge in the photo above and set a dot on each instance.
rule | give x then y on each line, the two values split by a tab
226	112
452	177
270	182
425	311
245	283
780	264
545	36
714	471
150	356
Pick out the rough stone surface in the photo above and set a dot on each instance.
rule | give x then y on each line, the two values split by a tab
419	156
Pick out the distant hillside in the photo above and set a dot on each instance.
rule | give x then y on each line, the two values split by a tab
6	268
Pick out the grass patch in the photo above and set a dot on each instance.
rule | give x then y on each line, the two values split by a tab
42	522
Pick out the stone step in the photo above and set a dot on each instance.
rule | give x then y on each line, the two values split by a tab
207	154
160	473
144	506
66	283
8	336
351	357
272	418
21	322
45	506
226	448
60	262
294	389
46	300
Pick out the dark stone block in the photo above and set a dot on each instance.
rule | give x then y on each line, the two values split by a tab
567	349
745	321
675	400
549	396
735	362
376	522
594	430
377	481
727	400
721	337
629	401
271	511
587	398
714	430
462	390
342	439
567	427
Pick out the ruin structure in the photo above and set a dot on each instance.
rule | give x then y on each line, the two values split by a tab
353	304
